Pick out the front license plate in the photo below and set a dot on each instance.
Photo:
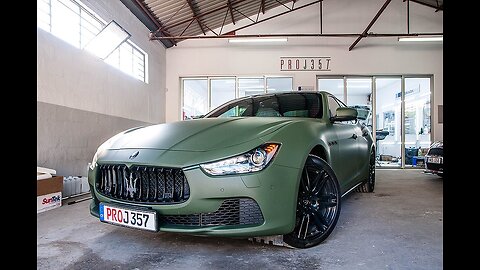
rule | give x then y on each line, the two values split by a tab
434	160
130	217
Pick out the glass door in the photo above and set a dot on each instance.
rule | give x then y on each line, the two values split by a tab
359	96
388	128
417	120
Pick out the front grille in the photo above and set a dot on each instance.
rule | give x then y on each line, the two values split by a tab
238	211
435	152
145	184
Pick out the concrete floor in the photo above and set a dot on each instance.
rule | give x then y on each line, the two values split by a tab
399	226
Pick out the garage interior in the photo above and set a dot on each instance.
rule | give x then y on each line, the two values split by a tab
107	66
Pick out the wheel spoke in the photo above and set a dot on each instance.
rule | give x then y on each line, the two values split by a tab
319	178
321	184
320	222
300	228
329	200
305	180
306	227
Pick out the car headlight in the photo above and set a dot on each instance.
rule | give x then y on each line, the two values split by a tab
252	161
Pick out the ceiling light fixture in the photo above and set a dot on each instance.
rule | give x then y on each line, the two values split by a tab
420	39
107	40
257	40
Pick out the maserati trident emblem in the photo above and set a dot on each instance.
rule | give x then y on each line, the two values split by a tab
134	155
131	185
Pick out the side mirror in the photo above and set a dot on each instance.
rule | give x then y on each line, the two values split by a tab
345	114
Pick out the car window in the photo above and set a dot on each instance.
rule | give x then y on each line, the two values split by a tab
332	106
276	105
243	108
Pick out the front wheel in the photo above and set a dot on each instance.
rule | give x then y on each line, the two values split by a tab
318	205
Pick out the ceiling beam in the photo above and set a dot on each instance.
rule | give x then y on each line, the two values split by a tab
195	14
364	34
263	6
231	11
340	35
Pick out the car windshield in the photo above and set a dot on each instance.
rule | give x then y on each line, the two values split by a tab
275	105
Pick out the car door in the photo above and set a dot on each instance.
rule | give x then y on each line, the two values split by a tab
346	161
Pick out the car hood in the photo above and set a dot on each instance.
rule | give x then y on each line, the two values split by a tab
200	134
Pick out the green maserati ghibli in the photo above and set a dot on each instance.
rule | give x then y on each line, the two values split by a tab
263	165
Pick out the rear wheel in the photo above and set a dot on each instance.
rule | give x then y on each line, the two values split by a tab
318	205
369	184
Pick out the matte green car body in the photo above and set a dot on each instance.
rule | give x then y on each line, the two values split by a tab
187	144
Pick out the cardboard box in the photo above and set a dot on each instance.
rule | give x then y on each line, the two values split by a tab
49	193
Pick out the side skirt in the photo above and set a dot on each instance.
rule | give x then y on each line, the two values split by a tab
350	190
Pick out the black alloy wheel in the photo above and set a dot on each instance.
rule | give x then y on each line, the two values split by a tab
369	184
318	205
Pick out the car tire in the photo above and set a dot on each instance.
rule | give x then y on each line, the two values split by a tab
318	204
369	184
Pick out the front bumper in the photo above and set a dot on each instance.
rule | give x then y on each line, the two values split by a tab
433	168
274	190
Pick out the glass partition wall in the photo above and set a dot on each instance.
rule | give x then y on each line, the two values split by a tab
396	108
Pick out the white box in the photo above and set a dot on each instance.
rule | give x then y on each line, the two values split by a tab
49	201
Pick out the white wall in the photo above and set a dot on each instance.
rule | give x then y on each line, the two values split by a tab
74	78
82	101
372	56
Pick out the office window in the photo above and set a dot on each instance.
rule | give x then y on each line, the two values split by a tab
76	24
222	90
276	84
195	98
200	95
250	86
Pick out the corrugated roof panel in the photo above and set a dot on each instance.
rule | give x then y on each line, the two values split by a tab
176	15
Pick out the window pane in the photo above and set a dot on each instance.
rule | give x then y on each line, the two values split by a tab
43	14
138	64
359	96
66	21
332	86
222	90
126	61
250	86
388	130
90	27
417	119
275	84
195	98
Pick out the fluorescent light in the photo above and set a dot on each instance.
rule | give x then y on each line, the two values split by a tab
112	36
420	39
256	40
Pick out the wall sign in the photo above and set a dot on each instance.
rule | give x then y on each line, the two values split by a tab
305	63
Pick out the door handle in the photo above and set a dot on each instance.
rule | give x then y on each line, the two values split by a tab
354	136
